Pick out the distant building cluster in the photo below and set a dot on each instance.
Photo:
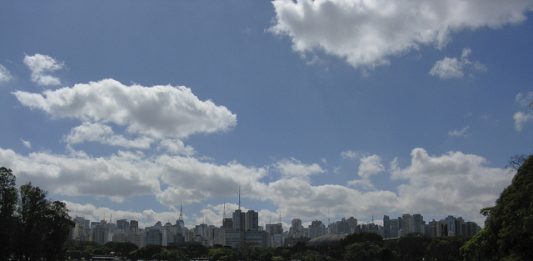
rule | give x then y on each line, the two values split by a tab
409	224
243	229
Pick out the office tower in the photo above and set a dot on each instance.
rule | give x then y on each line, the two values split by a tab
154	236
251	220
123	225
407	224
395	227
451	226
134	225
418	224
386	227
316	229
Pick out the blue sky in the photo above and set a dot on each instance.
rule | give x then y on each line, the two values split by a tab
352	108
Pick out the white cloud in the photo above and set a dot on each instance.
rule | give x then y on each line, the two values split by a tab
370	166
367	33
192	180
449	68
5	75
176	146
41	66
157	111
97	132
26	143
459	132
522	117
350	154
295	168
115	177
364	184
146	217
453	183
525	100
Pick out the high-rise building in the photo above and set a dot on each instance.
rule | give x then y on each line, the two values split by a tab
123	225
418	224
386	227
245	229
451	226
134	225
227	223
407	224
154	236
251	220
316	229
395	228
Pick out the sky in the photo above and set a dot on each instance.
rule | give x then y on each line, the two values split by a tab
316	109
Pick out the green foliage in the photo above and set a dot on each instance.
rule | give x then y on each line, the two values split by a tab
36	228
120	248
8	203
413	247
445	249
508	233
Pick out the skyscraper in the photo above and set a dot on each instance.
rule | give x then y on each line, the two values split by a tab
386	227
251	220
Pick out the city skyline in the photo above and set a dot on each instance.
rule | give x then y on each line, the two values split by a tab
319	109
242	228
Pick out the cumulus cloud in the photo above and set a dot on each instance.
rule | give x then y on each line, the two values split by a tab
364	184
176	146
115	177
41	66
454	182
370	166
5	75
192	180
522	117
295	168
157	111
367	33
26	143
147	217
101	133
350	154
459	132
449	68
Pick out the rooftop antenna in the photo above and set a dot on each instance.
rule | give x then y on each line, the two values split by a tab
181	211
239	197
224	213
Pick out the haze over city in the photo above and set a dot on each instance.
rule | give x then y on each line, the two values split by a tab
127	110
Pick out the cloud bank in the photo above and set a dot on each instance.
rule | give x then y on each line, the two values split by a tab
367	34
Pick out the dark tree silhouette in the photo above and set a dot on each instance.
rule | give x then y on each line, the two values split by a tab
8	203
33	229
508	232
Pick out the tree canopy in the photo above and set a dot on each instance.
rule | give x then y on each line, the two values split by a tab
31	226
508	232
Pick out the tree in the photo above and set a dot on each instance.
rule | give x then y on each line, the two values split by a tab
413	247
32	228
445	249
508	232
8	203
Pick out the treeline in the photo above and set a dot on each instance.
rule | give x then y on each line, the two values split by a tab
362	246
31	227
